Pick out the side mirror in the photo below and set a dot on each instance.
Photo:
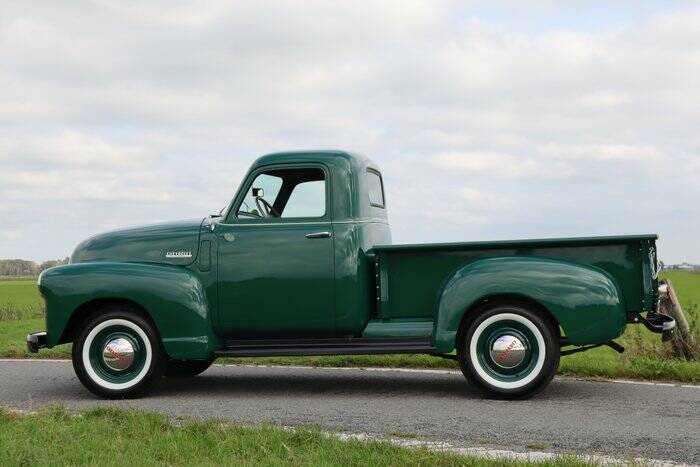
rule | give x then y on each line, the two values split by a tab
258	193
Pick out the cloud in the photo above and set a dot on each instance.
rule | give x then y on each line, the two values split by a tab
607	152
9	234
70	148
502	166
489	121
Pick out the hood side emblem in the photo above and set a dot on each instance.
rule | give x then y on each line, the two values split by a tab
178	254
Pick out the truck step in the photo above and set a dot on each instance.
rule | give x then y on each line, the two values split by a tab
335	346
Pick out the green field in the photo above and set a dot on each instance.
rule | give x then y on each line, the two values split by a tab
687	285
21	297
109	436
646	356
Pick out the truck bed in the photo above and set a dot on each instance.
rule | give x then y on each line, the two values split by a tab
410	277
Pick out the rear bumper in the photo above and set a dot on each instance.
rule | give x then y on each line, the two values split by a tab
655	322
36	341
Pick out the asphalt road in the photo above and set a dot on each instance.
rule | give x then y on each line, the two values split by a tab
652	421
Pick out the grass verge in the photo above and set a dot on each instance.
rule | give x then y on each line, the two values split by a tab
13	340
109	436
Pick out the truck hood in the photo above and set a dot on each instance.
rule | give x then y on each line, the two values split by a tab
173	243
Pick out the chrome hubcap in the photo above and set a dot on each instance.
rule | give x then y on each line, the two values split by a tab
118	354
508	351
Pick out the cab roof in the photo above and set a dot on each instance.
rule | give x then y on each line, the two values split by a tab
347	171
323	155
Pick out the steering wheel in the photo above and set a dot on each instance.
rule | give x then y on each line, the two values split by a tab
266	207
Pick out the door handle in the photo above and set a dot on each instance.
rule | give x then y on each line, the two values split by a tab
319	235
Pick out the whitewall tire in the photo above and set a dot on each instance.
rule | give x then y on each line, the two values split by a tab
509	351
117	353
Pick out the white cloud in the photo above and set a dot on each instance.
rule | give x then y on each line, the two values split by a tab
606	152
502	166
70	148
481	198
490	121
10	234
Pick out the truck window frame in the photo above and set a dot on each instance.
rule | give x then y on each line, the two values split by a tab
381	185
232	214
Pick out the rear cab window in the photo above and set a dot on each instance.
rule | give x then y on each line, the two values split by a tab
375	188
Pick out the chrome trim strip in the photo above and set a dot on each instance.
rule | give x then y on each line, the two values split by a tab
364	221
276	223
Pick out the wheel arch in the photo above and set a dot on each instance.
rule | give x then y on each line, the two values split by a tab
172	298
86	310
584	301
495	300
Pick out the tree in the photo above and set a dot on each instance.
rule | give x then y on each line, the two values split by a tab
21	267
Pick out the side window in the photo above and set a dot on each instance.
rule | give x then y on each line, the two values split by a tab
375	188
285	193
308	199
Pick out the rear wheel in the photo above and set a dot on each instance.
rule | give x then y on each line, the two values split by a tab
186	368
510	351
117	353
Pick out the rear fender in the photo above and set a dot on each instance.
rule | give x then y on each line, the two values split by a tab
172	296
586	301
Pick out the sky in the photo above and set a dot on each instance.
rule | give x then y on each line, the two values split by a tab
490	120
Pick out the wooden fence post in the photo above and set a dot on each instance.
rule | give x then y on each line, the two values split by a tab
682	342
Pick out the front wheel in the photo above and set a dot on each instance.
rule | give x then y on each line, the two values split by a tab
117	353
509	351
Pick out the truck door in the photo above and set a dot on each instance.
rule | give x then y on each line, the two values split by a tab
275	256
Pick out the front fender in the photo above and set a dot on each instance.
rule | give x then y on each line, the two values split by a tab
173	296
586	301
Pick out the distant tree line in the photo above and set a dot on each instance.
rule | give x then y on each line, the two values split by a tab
21	267
683	267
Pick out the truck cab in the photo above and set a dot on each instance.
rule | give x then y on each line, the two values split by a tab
301	263
292	248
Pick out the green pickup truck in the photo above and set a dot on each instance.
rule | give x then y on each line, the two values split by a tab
301	263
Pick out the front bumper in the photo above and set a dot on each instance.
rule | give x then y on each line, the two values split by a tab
36	341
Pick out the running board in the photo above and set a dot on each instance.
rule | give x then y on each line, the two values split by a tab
340	346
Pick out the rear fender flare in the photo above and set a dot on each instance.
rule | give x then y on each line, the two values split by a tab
585	301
